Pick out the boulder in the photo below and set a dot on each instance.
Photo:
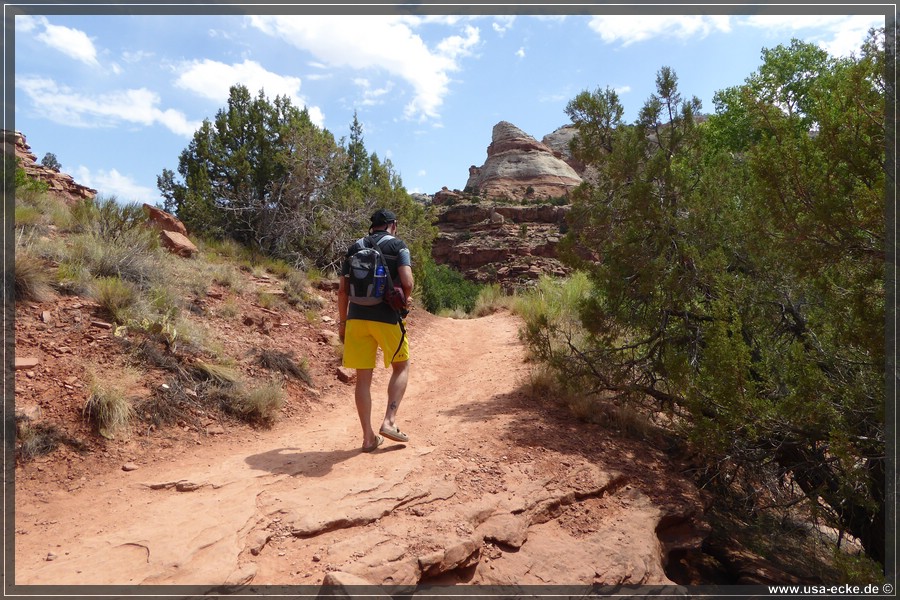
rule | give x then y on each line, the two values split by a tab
178	244
164	221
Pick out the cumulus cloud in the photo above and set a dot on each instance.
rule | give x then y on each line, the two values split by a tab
631	29
114	184
521	52
839	35
388	43
74	43
136	106
213	80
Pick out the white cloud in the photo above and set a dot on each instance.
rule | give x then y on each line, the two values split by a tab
521	52
25	23
840	35
73	43
503	23
212	79
112	183
372	96
138	106
630	29
622	89
380	42
136	57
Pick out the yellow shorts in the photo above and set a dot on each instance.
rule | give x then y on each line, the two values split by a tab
363	338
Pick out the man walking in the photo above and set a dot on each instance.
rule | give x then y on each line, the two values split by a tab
364	329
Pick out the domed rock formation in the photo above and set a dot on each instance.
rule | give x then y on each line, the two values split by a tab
520	167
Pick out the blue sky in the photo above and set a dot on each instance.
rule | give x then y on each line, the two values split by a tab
117	97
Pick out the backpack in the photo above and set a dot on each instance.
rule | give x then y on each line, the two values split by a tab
363	266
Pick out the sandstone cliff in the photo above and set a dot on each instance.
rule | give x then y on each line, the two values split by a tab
61	184
518	167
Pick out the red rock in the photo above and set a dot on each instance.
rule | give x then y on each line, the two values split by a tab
177	243
164	221
27	362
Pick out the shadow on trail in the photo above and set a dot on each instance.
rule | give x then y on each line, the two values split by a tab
544	427
296	463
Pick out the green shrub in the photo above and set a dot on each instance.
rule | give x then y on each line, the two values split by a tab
443	287
129	257
115	296
492	298
74	278
27	215
27	186
111	221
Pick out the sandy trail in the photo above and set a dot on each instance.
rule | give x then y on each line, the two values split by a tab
493	487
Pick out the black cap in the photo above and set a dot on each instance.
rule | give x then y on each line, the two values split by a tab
383	216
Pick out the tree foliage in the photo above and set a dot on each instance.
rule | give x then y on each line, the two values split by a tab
737	264
262	174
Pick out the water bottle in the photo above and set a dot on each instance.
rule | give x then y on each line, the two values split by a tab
380	281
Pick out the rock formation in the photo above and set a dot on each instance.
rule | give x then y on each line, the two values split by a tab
508	245
559	141
520	167
61	185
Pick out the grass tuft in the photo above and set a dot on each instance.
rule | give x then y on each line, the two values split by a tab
285	363
108	409
32	278
116	297
258	405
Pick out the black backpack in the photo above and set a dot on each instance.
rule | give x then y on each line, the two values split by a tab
363	266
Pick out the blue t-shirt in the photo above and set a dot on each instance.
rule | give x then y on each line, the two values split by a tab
396	254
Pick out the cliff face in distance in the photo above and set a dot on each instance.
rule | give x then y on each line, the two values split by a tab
505	226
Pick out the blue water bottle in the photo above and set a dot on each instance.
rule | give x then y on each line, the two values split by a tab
380	281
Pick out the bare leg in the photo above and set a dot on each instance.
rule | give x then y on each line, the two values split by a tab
396	389
363	396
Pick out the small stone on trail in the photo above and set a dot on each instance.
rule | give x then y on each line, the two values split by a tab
129	467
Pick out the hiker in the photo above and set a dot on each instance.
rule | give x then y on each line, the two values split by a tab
365	328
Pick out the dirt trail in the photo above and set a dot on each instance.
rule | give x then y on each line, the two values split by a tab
493	487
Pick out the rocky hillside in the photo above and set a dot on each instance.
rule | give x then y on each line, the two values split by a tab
509	245
60	184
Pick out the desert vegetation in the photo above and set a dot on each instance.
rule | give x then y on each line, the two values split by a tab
105	251
740	298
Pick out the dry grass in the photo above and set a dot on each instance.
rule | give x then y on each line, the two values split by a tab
258	405
285	363
216	373
32	278
38	439
108	409
115	296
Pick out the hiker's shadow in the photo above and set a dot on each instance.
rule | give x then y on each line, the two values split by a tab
296	463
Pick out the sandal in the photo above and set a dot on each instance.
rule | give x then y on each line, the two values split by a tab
378	441
393	433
